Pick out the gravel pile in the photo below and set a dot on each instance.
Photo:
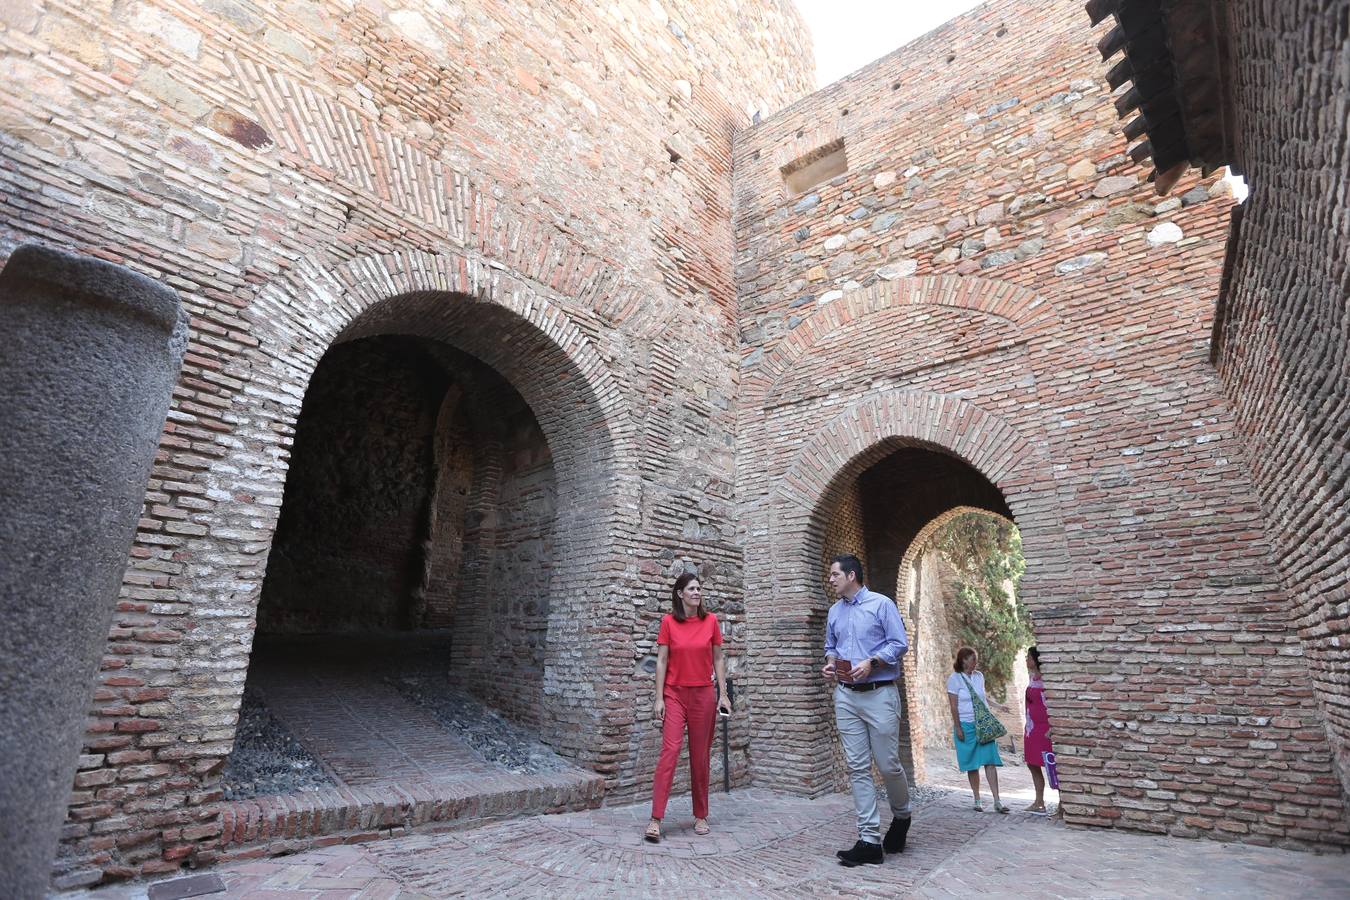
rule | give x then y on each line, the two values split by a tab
266	760
497	740
924	793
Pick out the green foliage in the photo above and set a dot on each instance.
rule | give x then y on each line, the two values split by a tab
986	553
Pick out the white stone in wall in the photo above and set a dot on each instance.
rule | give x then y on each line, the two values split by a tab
1082	170
921	236
898	269
169	30
414	26
1113	185
989	214
1078	263
1164	233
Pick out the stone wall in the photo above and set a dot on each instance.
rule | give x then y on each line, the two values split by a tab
544	187
347	555
1281	347
503	611
1060	318
933	651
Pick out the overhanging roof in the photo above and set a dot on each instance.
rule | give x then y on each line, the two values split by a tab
1173	54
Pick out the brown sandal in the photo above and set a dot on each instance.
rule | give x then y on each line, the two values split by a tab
653	832
701	826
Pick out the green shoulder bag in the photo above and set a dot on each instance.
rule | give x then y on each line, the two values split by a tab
987	726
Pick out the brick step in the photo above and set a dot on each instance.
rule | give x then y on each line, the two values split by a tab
270	826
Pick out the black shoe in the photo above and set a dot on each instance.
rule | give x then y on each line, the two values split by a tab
845	854
862	854
894	842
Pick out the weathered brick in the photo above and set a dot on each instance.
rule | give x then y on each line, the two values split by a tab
1154	515
1279	344
691	368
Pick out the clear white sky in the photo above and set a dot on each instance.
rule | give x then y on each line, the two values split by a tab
849	34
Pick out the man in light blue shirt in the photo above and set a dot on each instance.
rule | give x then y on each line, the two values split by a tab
864	640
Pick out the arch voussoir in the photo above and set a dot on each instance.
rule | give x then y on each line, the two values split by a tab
1026	311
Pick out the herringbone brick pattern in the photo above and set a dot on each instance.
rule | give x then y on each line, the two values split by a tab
772	845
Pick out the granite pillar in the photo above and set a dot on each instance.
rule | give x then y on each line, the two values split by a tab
88	360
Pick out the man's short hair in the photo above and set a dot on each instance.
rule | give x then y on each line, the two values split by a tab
850	563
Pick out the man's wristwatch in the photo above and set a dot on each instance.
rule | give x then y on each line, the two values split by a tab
876	662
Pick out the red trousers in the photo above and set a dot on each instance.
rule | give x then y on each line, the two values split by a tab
695	708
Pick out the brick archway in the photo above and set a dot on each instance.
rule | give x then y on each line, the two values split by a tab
904	583
1027	312
514	326
917	736
791	707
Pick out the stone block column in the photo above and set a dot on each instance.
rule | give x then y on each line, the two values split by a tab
88	360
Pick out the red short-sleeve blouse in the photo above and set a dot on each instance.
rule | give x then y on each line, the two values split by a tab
690	662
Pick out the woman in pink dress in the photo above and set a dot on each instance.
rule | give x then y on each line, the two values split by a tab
1037	742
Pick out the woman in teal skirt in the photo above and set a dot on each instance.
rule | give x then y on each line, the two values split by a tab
971	755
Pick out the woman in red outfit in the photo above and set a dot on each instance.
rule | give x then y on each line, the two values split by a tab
1037	741
689	649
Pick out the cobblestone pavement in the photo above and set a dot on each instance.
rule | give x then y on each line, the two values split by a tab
767	844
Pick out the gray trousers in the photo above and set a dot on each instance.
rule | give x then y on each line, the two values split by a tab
869	729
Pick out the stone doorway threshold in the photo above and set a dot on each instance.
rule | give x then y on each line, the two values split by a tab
392	765
287	823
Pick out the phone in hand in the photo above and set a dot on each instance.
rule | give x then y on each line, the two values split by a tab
841	669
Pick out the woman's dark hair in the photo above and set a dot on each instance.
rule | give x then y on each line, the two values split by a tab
680	584
848	563
1035	656
961	656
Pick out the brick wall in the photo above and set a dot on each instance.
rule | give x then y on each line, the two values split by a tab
1281	346
545	187
711	366
503	612
1060	348
845	533
458	455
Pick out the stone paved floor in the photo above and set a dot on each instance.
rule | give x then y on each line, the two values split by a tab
362	729
773	845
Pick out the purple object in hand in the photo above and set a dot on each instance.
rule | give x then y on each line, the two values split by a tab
1051	775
